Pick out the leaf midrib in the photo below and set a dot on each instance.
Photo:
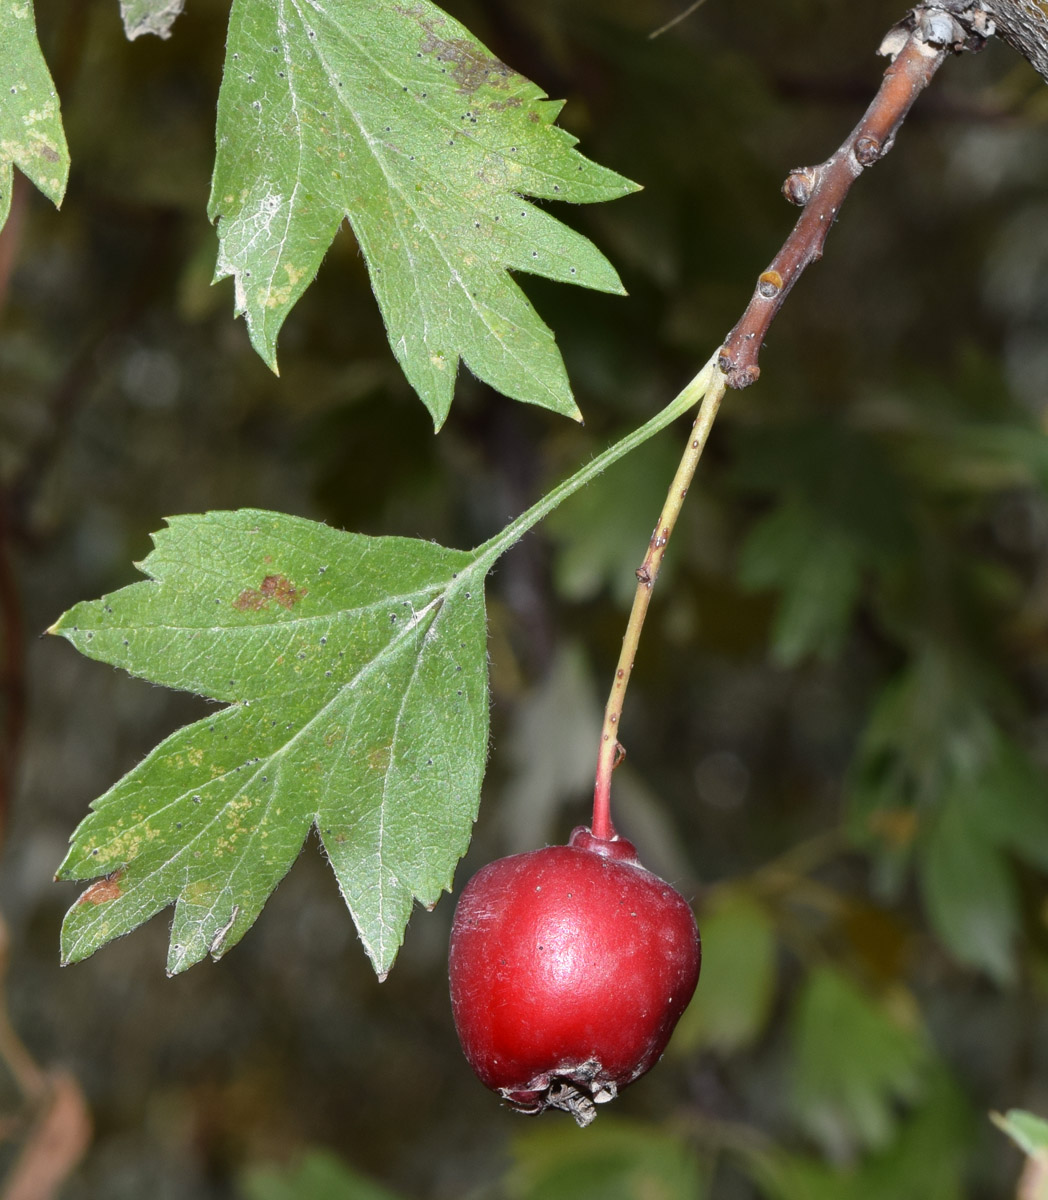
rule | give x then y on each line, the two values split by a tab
397	189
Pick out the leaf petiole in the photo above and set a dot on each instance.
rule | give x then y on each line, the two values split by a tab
690	395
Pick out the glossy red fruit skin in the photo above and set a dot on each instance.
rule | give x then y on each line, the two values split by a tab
569	968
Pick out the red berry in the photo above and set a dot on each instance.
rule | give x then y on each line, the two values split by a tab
570	967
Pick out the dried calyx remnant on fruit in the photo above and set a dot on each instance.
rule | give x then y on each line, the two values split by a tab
570	967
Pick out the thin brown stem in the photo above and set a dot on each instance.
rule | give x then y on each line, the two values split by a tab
611	753
821	190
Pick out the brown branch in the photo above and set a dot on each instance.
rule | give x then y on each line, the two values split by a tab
57	1140
919	46
53	1113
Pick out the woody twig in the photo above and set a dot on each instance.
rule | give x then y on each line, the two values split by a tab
918	46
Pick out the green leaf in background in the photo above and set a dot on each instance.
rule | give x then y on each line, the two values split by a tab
931	739
1029	1133
924	1161
926	729
854	1059
970	894
929	1157
616	1160
1006	800
396	117
817	568
355	674
936	773
319	1176
729	1011
31	134
842	516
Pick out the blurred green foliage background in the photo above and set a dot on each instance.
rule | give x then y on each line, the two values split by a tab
838	726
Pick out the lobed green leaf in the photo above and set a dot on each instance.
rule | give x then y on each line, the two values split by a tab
354	670
855	1058
31	134
925	1161
971	894
397	118
818	569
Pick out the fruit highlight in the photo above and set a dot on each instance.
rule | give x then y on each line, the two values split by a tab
569	967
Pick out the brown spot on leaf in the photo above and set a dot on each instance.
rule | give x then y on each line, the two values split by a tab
467	62
274	587
378	758
103	891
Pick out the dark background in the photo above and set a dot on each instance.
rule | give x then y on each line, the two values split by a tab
849	640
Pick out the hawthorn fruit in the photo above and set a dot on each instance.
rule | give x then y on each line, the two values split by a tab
569	968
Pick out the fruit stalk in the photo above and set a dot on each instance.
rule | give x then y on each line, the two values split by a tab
610	751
